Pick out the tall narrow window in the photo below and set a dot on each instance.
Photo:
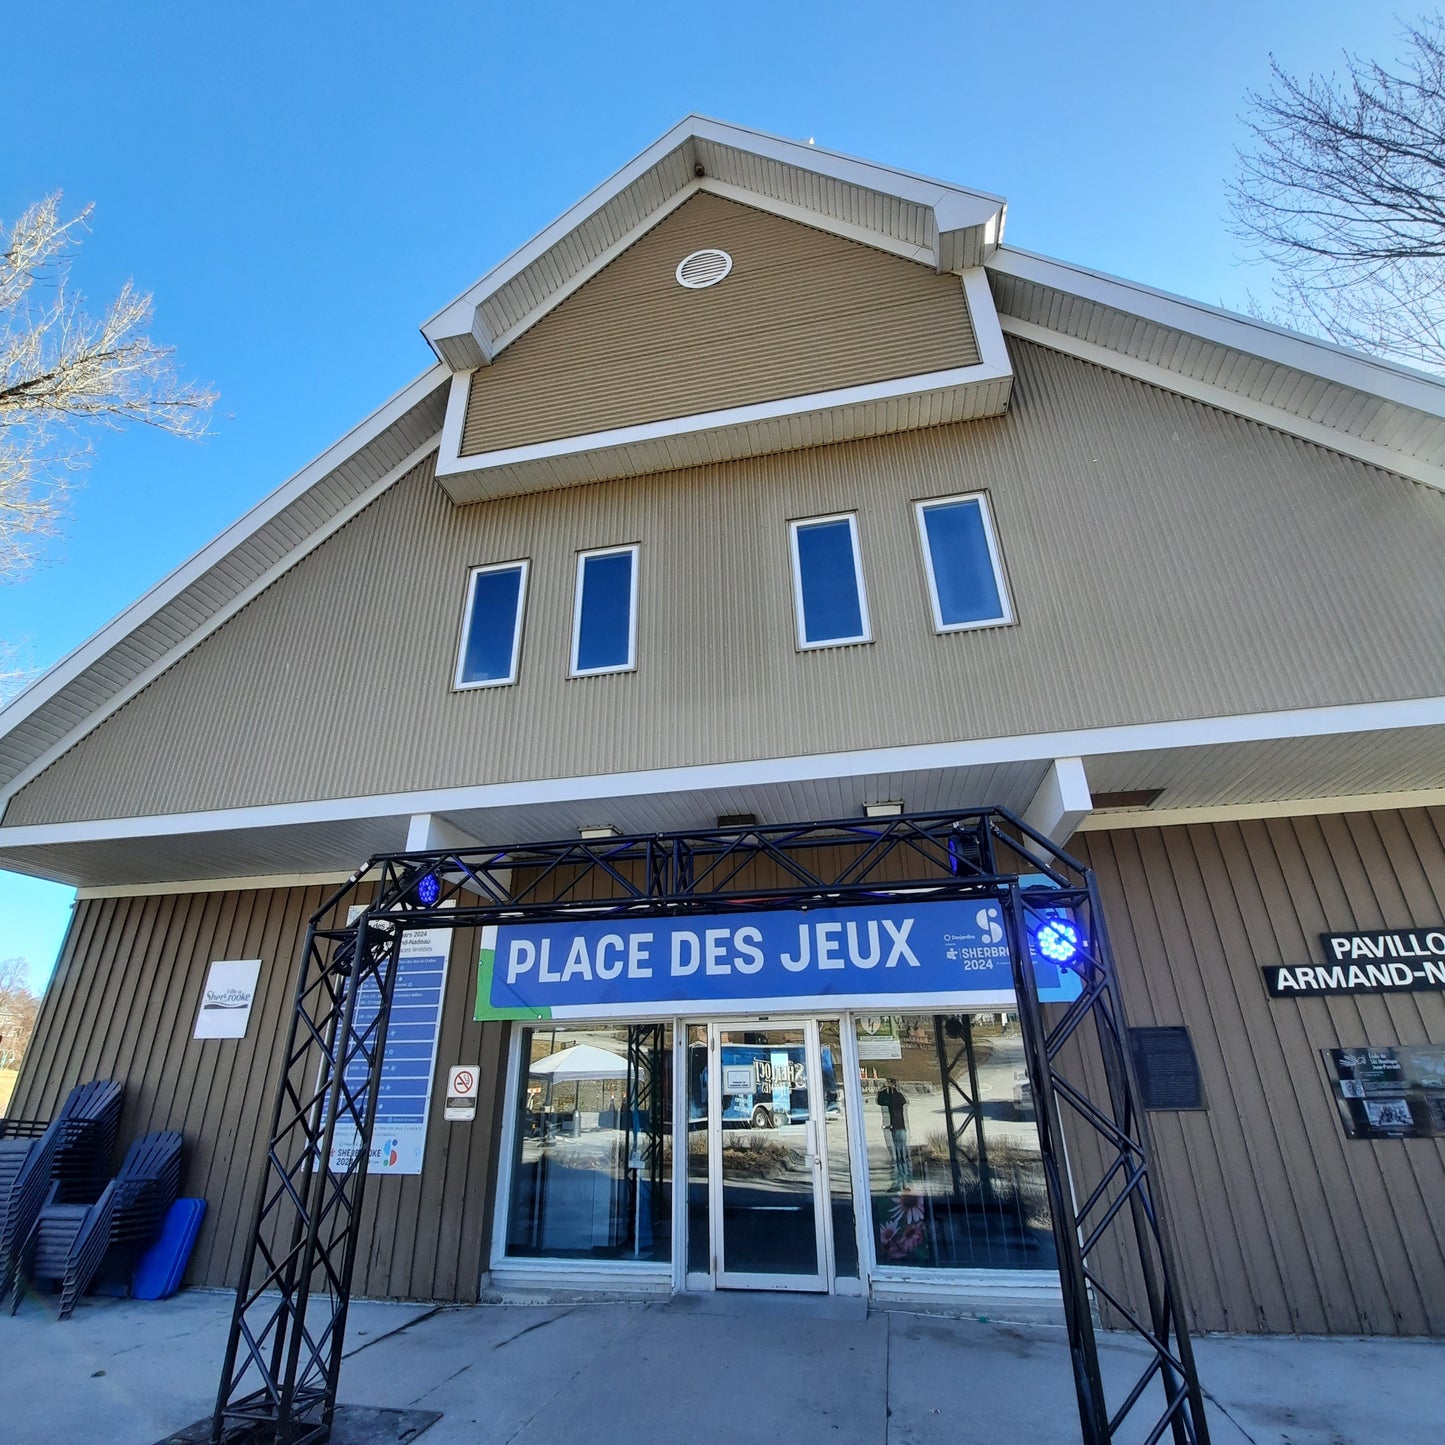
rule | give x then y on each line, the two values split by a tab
492	626
828	582
960	556
604	619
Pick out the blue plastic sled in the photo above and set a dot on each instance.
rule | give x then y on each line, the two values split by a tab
158	1274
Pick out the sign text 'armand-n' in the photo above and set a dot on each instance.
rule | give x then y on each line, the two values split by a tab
1392	961
945	954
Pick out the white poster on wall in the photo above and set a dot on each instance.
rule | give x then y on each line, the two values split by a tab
226	1002
398	1139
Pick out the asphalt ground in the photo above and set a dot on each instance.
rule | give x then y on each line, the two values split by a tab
728	1369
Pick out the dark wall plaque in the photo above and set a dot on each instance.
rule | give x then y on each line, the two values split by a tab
1167	1068
1394	1093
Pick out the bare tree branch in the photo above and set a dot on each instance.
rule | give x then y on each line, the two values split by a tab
1342	188
62	373
61	369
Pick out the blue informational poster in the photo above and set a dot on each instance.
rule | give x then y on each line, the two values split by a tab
398	1141
939	954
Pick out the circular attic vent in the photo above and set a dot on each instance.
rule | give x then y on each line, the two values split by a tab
703	268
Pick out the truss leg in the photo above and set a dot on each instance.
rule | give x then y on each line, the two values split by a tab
331	1078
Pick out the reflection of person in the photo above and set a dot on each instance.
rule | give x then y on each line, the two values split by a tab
894	1104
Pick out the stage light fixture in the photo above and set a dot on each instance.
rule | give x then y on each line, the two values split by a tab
1057	940
428	890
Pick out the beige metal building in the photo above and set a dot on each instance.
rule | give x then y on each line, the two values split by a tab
768	486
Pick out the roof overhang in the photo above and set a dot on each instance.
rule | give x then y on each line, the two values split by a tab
944	226
1339	759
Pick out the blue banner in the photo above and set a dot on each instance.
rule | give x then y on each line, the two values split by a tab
398	1141
945	954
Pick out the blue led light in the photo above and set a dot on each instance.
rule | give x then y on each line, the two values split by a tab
428	890
1057	940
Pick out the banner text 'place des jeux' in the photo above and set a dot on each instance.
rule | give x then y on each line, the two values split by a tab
941	954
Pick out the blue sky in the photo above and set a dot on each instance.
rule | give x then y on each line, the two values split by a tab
301	185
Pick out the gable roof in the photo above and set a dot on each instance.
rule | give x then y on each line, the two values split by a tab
946	226
1388	415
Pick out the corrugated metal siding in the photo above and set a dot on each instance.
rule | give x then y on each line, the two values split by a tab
123	1005
802	311
1166	560
822	426
1281	1223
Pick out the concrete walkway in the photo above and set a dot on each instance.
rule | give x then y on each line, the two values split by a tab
733	1370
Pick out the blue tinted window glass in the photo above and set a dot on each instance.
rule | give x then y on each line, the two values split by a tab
604	627
493	625
832	608
962	567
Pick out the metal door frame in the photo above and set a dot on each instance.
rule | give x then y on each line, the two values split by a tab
821	1281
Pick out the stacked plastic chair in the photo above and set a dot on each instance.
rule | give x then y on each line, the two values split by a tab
25	1163
69	1157
91	1118
68	1243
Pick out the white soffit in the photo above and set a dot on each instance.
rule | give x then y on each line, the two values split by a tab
1387	415
944	226
1316	760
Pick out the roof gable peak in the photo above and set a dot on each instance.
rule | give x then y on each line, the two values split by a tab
929	221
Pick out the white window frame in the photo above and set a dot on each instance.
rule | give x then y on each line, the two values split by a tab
634	549
523	564
866	635
995	557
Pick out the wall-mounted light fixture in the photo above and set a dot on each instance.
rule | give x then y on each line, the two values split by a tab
589	831
883	810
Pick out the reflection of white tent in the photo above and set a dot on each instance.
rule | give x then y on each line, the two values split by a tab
581	1061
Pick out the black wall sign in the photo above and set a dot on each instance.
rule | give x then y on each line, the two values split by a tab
1403	960
1396	1093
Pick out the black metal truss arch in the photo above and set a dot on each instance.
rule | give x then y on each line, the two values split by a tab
283	1356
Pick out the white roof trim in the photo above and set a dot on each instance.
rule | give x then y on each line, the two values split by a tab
1282	808
71	666
955	210
1228	399
1399	384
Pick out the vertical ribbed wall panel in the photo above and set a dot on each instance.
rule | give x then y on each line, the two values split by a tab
123	1005
1166	560
802	311
1282	1224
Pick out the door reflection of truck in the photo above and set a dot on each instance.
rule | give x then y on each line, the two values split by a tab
763	1086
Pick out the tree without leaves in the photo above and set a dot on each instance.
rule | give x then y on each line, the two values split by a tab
18	1008
1343	189
62	372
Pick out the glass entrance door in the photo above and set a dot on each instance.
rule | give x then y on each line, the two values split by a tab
766	1111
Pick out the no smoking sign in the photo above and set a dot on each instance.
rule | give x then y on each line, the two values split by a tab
462	1093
